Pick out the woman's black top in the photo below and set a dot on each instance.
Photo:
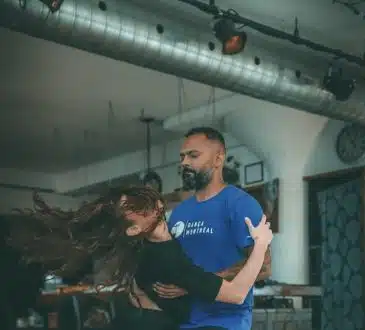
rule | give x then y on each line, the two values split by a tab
166	262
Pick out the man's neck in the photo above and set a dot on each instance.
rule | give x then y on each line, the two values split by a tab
213	189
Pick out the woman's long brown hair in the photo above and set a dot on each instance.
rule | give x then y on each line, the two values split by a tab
63	241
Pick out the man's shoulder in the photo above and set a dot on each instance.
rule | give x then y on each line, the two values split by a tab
236	195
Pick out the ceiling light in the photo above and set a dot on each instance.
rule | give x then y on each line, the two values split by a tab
233	41
53	5
335	82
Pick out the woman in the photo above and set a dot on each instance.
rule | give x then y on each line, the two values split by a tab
128	227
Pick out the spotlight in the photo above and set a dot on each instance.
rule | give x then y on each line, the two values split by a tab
335	83
53	5
233	41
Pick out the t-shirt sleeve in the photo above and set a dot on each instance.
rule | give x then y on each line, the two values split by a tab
194	279
244	206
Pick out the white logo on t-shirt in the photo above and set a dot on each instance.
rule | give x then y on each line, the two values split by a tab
191	228
177	229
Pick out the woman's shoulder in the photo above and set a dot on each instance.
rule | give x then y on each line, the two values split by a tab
163	252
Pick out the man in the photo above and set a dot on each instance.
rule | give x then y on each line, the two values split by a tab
211	229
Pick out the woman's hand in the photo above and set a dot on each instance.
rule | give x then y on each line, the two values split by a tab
261	234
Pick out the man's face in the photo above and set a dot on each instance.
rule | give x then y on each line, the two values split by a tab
199	158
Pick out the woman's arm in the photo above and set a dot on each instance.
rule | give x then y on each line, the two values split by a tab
235	291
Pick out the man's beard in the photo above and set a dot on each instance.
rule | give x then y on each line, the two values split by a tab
194	179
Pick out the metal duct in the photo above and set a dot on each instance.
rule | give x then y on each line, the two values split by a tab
127	33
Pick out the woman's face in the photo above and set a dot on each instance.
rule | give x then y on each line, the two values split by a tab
142	221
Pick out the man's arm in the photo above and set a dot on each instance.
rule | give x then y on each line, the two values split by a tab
229	273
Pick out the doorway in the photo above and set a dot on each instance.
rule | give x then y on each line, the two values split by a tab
336	248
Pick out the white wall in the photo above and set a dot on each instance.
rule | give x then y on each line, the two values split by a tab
284	139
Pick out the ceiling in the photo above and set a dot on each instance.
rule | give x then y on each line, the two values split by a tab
54	99
54	104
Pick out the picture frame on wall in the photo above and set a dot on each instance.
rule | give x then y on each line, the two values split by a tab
254	173
268	197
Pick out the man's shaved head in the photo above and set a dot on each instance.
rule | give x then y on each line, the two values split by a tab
210	133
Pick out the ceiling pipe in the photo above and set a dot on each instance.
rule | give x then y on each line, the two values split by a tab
118	30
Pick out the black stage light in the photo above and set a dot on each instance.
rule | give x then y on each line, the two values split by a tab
233	41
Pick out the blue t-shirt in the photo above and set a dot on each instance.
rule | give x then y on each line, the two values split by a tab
213	234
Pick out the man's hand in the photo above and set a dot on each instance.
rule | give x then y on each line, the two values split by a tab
168	291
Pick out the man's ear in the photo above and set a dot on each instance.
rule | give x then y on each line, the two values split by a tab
220	158
133	230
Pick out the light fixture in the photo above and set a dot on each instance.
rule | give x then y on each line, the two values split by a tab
335	82
53	5
233	41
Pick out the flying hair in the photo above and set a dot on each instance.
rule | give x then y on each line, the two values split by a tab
63	241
